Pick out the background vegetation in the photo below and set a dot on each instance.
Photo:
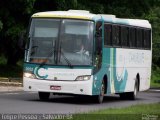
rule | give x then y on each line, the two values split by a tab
134	112
15	16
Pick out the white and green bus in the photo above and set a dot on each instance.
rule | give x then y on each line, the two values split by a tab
79	53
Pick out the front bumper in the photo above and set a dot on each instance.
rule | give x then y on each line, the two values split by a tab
67	87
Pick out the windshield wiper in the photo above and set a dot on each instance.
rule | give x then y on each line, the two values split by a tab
66	59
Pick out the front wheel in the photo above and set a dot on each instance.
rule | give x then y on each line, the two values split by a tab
99	98
44	95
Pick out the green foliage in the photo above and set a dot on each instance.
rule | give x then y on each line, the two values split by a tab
1	25
3	60
10	71
15	18
66	4
154	17
135	109
14	31
155	78
135	112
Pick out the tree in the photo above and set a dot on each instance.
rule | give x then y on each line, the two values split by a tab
154	18
14	16
1	25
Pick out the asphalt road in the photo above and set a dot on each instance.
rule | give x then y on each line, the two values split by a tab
24	102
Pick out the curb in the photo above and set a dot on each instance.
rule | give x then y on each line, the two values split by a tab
4	79
15	84
9	89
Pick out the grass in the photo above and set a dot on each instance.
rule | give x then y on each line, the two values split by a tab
135	112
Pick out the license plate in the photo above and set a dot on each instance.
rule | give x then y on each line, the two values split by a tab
53	87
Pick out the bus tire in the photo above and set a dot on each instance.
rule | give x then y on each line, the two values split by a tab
133	95
44	95
99	98
130	95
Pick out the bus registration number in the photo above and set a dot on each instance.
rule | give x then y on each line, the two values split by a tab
53	87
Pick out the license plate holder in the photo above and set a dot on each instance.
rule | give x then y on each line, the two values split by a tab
55	87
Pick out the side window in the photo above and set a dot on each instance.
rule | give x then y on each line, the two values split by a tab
115	35
124	36
139	37
107	34
132	37
147	39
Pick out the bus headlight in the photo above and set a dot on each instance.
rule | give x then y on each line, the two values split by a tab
85	77
29	75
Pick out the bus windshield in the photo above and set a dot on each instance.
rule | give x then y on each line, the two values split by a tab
60	42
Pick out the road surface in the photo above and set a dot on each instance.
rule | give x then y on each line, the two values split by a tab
24	102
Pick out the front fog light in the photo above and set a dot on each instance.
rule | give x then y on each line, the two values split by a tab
85	77
29	75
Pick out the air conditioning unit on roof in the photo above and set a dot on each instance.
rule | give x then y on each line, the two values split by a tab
79	11
108	15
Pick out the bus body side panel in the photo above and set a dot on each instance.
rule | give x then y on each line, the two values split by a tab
116	83
134	62
97	80
122	66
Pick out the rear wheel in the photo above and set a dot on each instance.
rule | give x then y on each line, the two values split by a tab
44	95
133	95
99	98
130	95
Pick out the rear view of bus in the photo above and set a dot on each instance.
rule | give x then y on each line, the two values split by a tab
67	53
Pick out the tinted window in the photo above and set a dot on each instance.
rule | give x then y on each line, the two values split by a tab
107	34
139	37
147	39
116	35
124	36
132	37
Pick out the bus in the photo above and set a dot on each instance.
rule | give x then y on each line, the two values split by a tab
76	52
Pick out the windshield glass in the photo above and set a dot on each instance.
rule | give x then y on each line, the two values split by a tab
61	42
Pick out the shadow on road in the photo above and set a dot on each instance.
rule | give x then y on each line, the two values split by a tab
82	100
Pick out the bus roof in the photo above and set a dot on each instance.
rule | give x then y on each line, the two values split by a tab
86	15
76	14
132	22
